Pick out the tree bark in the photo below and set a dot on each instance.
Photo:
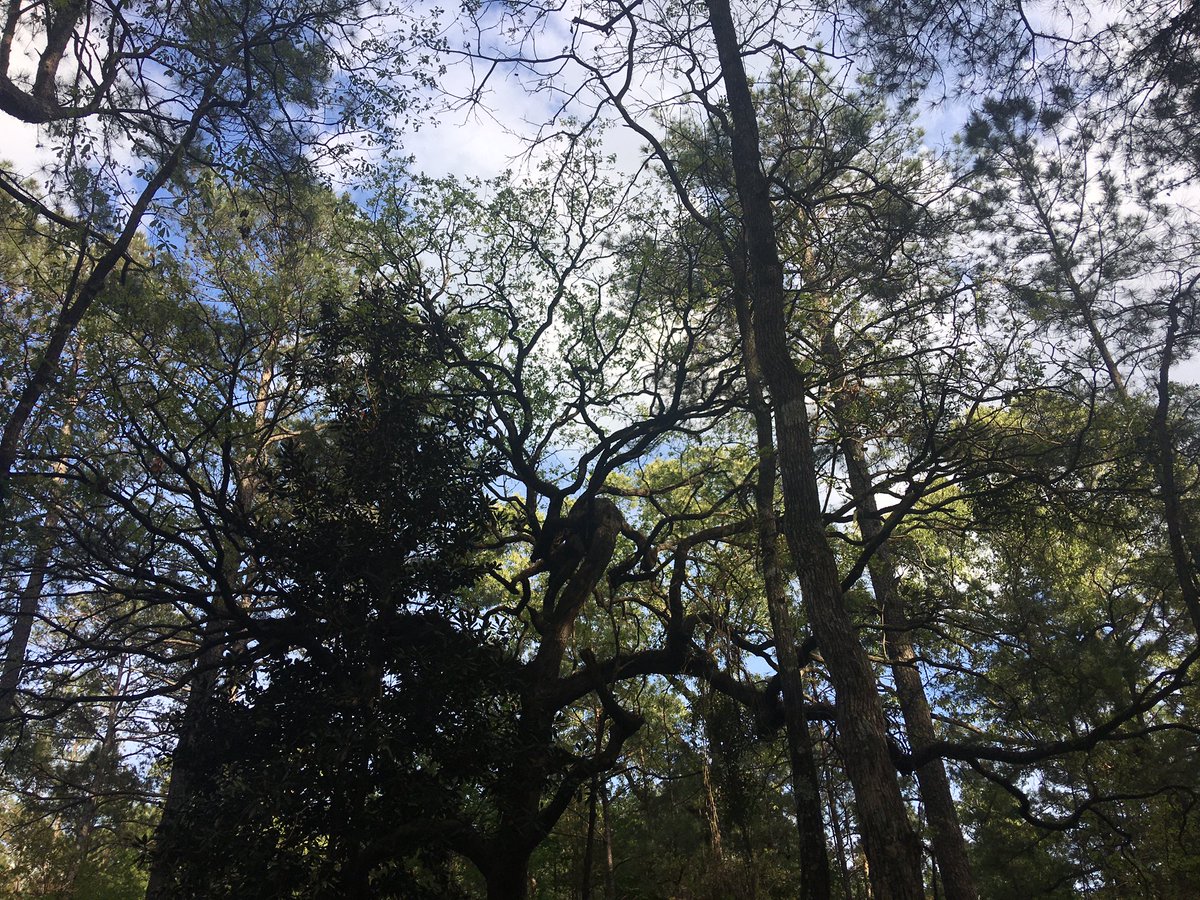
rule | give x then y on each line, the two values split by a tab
610	880
949	848
806	787
183	771
507	877
1184	552
889	840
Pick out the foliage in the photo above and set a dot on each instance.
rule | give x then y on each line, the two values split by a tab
375	703
425	542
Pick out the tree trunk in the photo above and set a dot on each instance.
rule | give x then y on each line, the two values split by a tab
183	771
610	873
1184	553
711	815
589	844
508	876
26	612
949	848
889	840
839	840
806	787
30	599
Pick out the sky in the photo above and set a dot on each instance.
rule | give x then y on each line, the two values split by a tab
21	146
485	139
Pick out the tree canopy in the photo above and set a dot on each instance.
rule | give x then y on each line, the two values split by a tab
801	504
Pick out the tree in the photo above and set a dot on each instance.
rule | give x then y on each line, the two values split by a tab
77	802
500	308
236	88
890	841
190	383
319	772
1107	265
863	238
611	53
496	309
446	559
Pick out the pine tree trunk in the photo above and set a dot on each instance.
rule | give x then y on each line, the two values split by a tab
889	840
30	599
806	787
949	848
839	840
28	603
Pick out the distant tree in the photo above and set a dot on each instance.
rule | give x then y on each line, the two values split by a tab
1071	602
77	801
1105	262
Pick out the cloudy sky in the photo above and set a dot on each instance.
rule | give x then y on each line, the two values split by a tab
487	138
